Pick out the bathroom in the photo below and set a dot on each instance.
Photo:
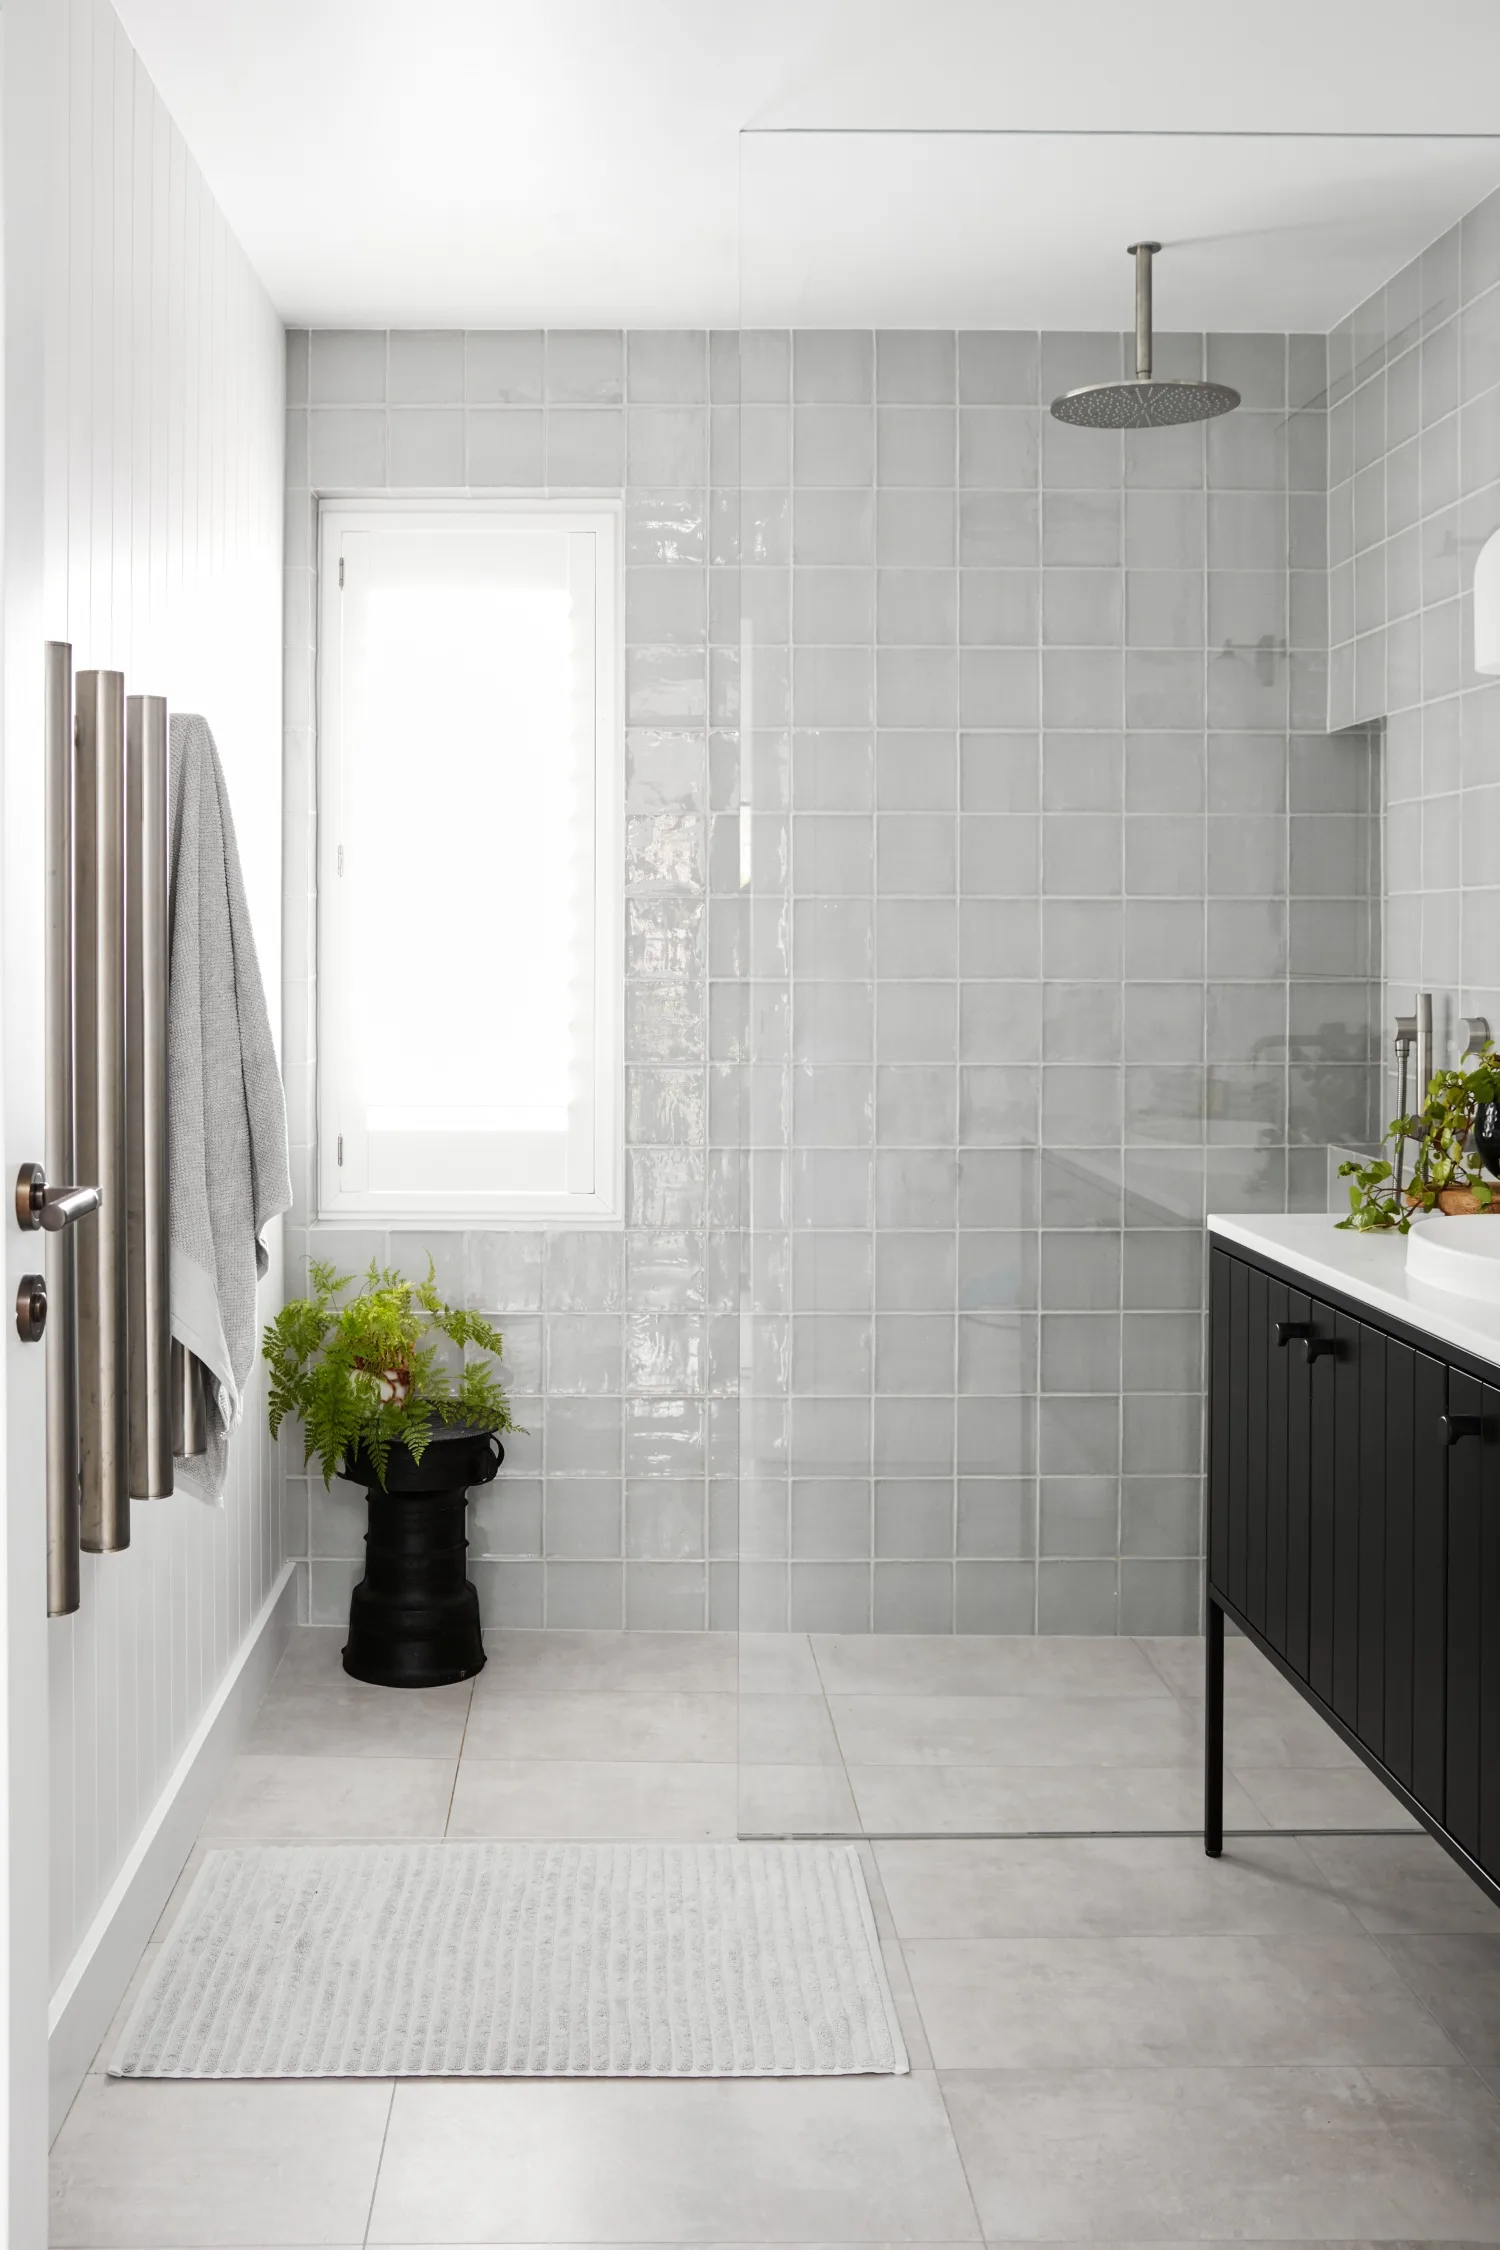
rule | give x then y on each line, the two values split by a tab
973	851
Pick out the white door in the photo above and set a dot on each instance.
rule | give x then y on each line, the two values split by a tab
27	28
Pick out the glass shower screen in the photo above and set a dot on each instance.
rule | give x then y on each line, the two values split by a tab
1047	921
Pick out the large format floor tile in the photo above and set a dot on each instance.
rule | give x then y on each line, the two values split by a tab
1301	1797
1107	1886
1015	1730
796	1801
1283	2155
783	2161
958	1664
777	1664
1458	1978
558	1800
156	2166
543	1663
1041	1800
1064	2003
660	1726
328	1718
1299	2042
1404	1884
787	1730
265	1798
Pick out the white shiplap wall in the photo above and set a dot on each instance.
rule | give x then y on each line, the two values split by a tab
163	548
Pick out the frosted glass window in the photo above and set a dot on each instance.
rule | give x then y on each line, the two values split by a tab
469	999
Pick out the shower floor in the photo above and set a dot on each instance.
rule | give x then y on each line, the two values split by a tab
1112	2038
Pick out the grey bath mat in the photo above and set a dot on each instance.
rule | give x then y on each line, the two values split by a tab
519	1961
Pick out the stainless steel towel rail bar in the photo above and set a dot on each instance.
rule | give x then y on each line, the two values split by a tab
149	1306
61	1335
103	1306
99	1065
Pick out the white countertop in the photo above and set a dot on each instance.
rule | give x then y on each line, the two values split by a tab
1370	1268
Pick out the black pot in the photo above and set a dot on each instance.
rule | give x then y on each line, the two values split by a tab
414	1617
1487	1134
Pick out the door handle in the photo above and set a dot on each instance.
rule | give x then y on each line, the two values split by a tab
1457	1426
50	1208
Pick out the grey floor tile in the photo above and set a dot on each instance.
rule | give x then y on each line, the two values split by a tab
974	1664
1015	1730
1298	1797
1279	1729
265	1799
663	1727
1026	1800
1458	1979
777	1664
1179	1658
1403	1884
787	1730
338	1717
1084	2003
1106	1886
313	1652
793	1800
151	2167
1286	2155
560	1799
546	1663
790	2161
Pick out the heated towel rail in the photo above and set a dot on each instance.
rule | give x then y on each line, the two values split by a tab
102	1306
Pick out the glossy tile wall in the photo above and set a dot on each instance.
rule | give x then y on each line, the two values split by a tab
1064	936
1414	491
1061	932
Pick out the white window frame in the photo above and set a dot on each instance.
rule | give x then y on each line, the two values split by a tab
603	1206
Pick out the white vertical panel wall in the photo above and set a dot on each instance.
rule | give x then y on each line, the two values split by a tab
165	380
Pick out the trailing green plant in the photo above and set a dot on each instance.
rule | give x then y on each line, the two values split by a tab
369	1373
1443	1157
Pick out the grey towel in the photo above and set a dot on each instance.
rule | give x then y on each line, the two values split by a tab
226	1109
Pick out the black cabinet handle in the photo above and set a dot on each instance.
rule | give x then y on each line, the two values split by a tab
1456	1426
1300	1332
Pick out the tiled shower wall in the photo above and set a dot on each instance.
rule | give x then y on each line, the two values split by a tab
1414	492
1060	933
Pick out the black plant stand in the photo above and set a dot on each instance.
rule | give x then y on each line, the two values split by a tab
414	1617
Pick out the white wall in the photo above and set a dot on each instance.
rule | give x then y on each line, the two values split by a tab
163	548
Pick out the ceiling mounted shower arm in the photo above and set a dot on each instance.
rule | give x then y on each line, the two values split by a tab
1143	252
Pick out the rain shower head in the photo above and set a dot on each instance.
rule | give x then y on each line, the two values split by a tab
1150	402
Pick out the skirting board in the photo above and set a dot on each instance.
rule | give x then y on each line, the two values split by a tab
94	1982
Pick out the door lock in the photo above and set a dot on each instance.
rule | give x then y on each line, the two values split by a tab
51	1208
31	1308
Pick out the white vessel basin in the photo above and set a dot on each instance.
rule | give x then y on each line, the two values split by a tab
1459	1256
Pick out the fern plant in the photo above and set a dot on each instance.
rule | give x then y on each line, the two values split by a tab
367	1372
1439	1131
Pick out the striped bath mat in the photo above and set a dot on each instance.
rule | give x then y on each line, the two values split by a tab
519	1960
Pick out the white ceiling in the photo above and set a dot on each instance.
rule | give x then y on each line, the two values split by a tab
596	162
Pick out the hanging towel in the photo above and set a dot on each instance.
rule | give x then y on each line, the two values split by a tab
225	1107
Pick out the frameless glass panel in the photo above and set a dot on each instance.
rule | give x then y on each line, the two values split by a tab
1058	778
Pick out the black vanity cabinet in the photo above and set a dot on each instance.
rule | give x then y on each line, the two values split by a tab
1354	1536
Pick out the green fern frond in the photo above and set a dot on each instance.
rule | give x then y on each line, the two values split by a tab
331	1362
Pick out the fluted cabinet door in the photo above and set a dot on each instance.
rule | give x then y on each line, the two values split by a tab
1472	1749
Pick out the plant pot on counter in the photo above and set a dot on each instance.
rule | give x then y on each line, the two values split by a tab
414	1617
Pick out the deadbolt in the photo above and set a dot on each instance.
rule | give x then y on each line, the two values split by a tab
31	1308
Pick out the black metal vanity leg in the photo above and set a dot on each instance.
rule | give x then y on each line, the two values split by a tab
1213	1732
